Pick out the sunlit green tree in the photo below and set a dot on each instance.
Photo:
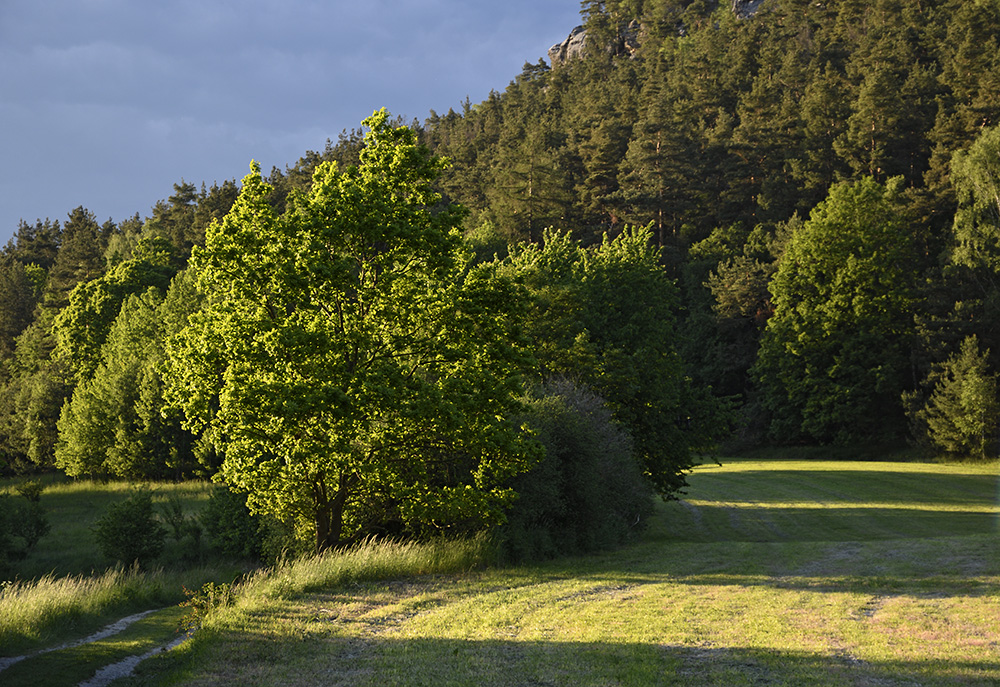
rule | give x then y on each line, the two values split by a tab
349	362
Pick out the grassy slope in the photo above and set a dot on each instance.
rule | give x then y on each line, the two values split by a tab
67	591
770	572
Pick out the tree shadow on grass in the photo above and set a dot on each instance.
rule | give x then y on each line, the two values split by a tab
770	523
404	662
861	485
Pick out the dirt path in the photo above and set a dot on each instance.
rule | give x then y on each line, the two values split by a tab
125	667
110	672
109	631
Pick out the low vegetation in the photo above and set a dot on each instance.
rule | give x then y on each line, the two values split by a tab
769	572
68	587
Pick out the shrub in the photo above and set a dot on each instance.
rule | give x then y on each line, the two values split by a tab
588	493
183	529
230	527
31	490
129	531
22	524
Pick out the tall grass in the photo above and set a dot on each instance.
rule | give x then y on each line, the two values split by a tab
51	609
371	561
67	588
31	612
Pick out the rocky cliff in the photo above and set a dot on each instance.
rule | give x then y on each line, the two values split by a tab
628	39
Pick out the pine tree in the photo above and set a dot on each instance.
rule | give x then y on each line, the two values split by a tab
963	411
80	257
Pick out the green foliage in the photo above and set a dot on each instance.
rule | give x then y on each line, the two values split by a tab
183	528
22	524
82	327
588	493
976	177
962	412
31	490
129	531
210	597
351	366
80	257
689	120
604	316
19	294
230	526
116	422
833	357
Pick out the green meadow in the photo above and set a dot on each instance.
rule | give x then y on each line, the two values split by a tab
768	572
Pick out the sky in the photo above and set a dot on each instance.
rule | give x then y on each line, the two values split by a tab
108	103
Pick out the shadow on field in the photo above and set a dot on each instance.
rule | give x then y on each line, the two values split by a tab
758	522
379	661
916	489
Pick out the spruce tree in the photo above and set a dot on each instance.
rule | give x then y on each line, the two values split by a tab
962	413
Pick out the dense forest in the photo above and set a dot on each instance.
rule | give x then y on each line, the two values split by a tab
757	227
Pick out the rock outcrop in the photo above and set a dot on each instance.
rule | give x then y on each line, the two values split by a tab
625	44
746	8
627	41
571	47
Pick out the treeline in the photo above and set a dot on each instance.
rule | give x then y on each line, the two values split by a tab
822	179
336	352
819	182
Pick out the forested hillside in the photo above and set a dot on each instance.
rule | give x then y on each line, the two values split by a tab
776	226
822	178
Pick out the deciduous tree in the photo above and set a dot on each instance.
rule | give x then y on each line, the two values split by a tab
834	355
349	362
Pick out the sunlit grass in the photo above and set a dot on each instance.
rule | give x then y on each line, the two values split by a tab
73	665
814	505
67	589
835	574
51	609
372	560
73	508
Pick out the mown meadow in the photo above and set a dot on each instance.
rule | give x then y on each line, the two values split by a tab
766	572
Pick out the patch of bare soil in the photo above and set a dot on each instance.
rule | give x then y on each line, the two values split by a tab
125	667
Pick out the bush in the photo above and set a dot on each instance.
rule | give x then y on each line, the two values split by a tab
129	531
230	527
22	524
588	493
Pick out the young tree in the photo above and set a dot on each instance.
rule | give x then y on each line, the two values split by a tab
349	362
962	412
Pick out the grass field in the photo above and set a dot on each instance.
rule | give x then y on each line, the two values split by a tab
767	573
73	508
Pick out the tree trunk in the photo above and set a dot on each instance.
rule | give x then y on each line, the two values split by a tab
330	514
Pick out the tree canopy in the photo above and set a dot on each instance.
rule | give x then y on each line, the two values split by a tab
833	357
351	365
720	127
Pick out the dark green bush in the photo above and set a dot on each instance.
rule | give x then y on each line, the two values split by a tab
588	493
31	490
129	532
230	527
22	524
